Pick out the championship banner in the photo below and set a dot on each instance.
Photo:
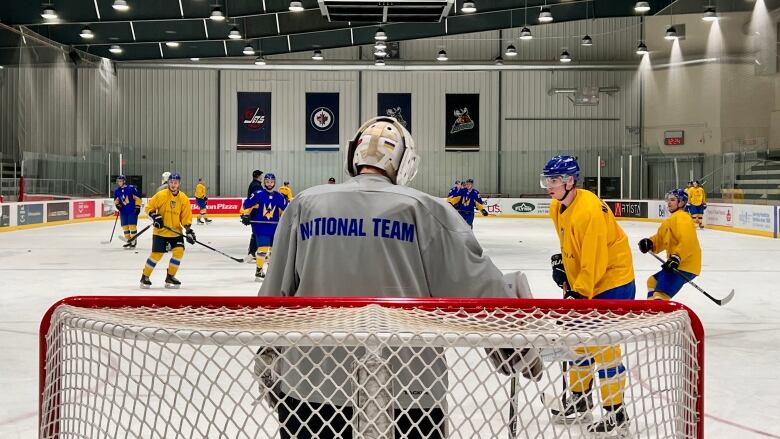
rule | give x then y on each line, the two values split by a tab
397	105
461	122
322	124
254	121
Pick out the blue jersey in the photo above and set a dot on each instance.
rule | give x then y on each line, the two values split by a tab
126	198
453	198
469	200
264	209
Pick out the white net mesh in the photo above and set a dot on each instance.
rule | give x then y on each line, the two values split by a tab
370	371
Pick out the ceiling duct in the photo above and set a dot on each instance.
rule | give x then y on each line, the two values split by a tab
584	96
391	11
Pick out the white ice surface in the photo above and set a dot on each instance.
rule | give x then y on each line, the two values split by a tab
742	389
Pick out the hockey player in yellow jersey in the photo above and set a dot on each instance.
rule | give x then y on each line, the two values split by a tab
170	212
676	236
286	190
697	203
202	201
595	263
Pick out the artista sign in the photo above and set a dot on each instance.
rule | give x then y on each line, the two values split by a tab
628	209
219	205
57	211
29	214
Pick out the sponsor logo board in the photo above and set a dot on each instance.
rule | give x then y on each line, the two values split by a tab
219	205
5	216
57	211
83	209
628	209
29	214
719	215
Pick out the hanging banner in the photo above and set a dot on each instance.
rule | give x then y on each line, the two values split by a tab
254	121
462	122
397	105
322	125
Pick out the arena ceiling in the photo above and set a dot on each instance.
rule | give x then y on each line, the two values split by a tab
271	28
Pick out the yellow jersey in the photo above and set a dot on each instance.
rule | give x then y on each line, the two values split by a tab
595	250
287	192
677	236
200	190
697	196
174	209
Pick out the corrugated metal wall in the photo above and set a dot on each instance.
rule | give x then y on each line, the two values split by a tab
287	159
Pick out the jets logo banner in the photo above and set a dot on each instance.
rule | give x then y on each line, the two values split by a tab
397	105
462	122
254	121
322	121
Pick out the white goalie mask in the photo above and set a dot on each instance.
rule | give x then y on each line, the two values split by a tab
165	176
382	142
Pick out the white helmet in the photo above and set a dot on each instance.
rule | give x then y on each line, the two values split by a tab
382	142
165	176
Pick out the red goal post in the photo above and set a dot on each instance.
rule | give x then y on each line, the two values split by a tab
151	366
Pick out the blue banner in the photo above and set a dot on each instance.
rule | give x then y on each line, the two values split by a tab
254	121
322	124
397	105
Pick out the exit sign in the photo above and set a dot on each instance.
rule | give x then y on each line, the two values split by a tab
674	138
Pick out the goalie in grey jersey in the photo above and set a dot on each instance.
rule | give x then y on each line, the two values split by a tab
373	236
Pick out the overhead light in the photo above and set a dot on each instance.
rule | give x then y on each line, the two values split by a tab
380	62
510	50
710	14
87	33
217	14
260	61
380	53
641	48
380	45
317	55
296	6
48	13
545	16
525	34
565	57
115	49
194	58
249	50
442	56
172	43
642	7
586	41
380	35
469	7
120	5
498	61
234	34
671	33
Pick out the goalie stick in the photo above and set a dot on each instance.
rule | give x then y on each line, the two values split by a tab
719	302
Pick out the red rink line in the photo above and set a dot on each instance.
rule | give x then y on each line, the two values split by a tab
740	426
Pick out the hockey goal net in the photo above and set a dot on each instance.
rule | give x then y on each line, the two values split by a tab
209	367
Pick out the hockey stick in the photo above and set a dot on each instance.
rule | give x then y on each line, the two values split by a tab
240	261
112	231
137	234
513	403
719	302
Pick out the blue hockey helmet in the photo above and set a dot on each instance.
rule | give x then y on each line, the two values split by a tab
269	176
560	166
469	180
174	176
121	177
680	194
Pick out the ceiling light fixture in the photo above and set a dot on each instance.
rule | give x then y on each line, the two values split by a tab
380	53
525	34
48	13
317	55
671	33
296	6
380	62
641	48
380	35
565	57
511	50
545	16
498	61
586	41
442	55
380	45
172	43
260	61
710	14
249	50
468	7
120	5
642	7
234	34
87	33
115	49
217	14
194	58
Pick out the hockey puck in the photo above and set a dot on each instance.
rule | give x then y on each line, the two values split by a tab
29	251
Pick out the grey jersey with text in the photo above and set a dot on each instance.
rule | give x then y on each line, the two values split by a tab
369	237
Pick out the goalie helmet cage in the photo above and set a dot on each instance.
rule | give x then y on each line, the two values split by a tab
254	366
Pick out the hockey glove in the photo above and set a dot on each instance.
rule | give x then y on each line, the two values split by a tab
245	220
704	206
205	198
569	294
509	360
558	272
157	219
190	235
671	264
267	376
484	212
137	210
645	245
